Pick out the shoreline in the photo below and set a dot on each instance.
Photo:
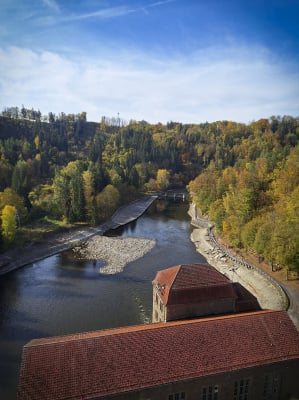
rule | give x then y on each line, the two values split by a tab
260	284
18	258
116	252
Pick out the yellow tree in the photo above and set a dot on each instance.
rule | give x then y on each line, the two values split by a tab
285	233
203	189
9	225
88	186
107	201
288	175
10	197
162	179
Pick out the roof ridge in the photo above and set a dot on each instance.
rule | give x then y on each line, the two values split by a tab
177	273
138	328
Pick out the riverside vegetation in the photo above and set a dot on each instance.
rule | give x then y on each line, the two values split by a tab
57	171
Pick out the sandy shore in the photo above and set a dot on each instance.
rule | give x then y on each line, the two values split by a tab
261	287
115	252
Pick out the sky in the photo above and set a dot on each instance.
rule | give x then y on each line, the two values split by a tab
188	61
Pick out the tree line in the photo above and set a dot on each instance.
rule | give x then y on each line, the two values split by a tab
243	175
254	202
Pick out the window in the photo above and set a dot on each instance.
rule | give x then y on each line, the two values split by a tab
271	386
161	306
177	396
210	393
241	390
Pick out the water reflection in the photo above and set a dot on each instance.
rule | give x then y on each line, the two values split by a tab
61	294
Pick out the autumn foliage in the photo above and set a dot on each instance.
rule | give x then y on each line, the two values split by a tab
244	176
255	202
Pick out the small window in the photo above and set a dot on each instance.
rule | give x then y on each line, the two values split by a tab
161	306
177	396
241	390
210	393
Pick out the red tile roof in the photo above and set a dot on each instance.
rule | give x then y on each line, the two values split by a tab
89	365
192	283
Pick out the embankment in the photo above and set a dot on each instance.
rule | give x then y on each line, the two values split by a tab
33	252
269	293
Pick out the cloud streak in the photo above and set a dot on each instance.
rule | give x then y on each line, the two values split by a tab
52	4
215	84
103	13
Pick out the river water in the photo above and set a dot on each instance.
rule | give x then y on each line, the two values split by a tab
61	295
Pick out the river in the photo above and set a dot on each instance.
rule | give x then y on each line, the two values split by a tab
61	295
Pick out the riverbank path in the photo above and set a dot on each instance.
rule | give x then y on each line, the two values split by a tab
59	242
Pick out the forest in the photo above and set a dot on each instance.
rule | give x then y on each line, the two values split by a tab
62	168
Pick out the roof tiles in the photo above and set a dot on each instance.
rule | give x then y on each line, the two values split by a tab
94	364
192	283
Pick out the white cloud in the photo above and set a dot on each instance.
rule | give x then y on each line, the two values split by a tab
214	84
52	4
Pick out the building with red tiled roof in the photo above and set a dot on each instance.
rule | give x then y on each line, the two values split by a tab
238	357
194	290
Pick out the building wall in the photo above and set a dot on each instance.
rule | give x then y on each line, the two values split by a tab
159	310
163	313
192	310
277	381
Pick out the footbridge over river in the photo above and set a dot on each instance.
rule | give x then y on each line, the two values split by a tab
178	194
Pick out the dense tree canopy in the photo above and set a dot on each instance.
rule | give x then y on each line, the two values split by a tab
245	176
255	202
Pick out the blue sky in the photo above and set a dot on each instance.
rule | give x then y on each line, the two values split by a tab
155	60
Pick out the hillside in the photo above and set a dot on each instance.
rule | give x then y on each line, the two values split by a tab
63	168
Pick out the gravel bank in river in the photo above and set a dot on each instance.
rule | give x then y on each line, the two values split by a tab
16	258
116	252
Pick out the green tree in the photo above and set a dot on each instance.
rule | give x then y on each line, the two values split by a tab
107	202
285	235
77	195
5	173
262	242
20	178
61	196
89	193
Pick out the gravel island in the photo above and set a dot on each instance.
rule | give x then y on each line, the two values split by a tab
115	252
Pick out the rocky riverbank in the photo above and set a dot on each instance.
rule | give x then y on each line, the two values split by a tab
115	252
259	285
33	252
